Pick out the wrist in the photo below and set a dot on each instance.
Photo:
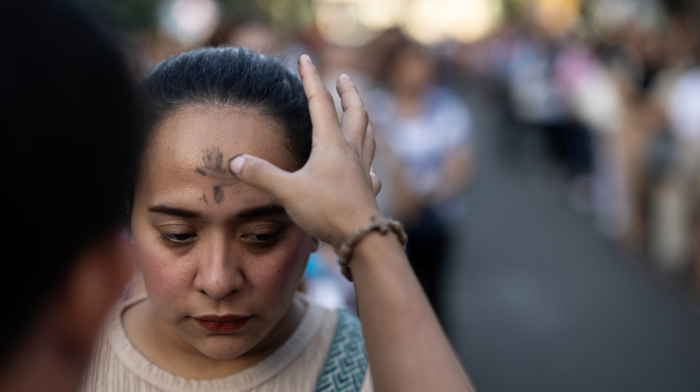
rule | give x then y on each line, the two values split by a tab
351	220
378	224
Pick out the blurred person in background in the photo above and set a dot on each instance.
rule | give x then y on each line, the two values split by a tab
67	117
592	99
424	156
538	99
673	164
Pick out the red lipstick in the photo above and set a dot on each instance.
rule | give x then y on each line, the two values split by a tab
222	324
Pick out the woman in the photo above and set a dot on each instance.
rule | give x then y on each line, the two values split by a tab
222	255
426	150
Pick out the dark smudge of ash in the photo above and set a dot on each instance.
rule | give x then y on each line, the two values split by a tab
218	194
219	160
213	161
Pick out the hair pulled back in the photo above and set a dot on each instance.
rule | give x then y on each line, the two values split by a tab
230	77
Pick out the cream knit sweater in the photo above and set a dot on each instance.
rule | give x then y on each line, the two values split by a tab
295	366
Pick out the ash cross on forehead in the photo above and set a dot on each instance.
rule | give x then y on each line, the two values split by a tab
213	167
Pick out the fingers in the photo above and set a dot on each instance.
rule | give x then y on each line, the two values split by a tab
323	115
376	181
259	173
369	146
355	119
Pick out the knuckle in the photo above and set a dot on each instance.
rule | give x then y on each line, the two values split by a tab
251	169
371	142
320	96
359	112
363	112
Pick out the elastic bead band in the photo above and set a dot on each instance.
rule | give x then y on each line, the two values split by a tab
377	223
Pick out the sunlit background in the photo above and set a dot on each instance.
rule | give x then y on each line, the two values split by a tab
543	154
357	22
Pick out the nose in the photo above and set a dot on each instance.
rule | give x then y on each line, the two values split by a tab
219	273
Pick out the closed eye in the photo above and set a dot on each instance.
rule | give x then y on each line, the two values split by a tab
261	237
178	238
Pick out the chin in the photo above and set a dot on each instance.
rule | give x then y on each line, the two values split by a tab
218	349
226	346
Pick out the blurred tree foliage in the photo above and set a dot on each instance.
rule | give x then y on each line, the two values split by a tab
135	14
142	14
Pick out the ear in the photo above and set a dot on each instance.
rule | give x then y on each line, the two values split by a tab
99	274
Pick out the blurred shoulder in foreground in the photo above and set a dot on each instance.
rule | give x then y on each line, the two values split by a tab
68	127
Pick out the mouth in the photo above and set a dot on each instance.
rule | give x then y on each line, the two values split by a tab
222	324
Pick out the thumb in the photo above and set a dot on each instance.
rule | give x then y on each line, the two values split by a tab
258	173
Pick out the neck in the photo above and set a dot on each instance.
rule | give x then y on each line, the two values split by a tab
408	103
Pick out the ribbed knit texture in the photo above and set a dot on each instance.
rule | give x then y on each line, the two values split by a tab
295	366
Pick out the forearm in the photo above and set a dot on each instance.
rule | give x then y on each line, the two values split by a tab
406	346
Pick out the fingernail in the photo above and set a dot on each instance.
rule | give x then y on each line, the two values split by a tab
305	57
345	77
236	163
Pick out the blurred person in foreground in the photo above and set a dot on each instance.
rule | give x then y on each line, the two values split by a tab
425	158
66	114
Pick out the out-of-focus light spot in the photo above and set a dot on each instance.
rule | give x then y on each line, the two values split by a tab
189	22
558	16
338	22
379	14
423	22
555	17
431	21
354	22
476	19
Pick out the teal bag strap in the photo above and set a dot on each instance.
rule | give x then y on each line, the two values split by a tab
346	364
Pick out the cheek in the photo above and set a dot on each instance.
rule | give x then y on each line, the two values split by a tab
283	275
165	277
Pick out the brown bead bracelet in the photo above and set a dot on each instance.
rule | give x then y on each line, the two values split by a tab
377	223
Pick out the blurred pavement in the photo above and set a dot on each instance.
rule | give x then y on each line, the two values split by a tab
538	300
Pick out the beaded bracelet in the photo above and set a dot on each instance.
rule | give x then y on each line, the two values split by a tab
377	223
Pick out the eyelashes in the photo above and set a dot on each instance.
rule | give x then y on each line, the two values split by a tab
178	238
263	239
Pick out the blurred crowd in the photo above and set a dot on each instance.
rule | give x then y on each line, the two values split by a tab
615	116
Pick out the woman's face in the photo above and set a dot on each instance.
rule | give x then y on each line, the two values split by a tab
412	71
220	259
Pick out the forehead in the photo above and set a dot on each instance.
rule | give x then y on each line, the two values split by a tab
189	132
190	150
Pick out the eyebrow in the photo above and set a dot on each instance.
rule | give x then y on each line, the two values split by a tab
259	212
164	209
252	213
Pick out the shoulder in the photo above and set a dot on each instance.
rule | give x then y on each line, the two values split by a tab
108	355
345	366
450	115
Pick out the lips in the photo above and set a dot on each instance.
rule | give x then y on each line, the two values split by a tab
222	324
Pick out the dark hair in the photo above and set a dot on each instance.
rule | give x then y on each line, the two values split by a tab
231	77
67	122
